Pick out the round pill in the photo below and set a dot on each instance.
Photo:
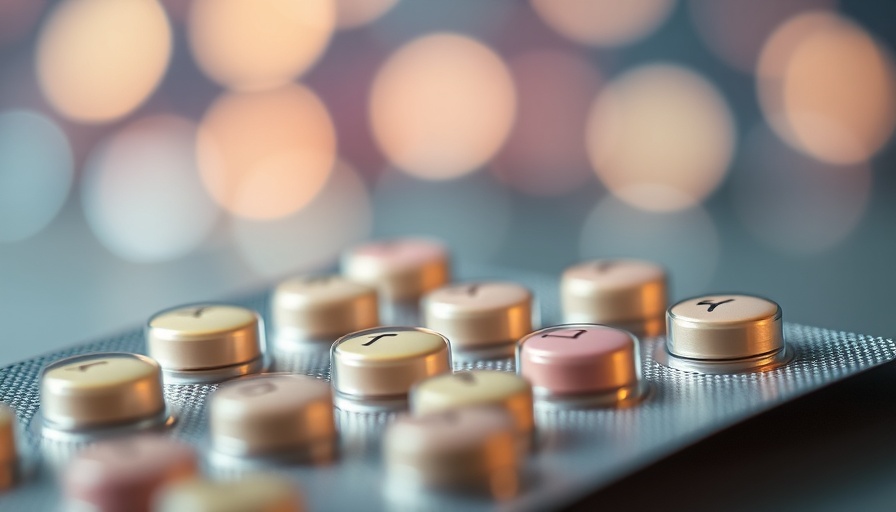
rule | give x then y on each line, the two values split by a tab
578	359
121	475
626	293
323	307
8	451
274	414
472	449
718	327
255	493
479	315
402	269
387	361
100	390
504	390
206	337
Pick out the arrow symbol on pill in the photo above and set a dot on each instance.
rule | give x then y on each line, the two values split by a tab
84	367
712	305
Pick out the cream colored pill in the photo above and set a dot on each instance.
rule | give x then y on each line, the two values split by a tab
477	388
274	414
316	307
471	449
205	336
480	314
625	293
8	451
256	493
402	269
387	361
101	390
719	327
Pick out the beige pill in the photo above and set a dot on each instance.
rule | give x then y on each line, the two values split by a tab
274	414
203	337
625	293
718	327
319	307
101	390
471	449
8	451
256	493
479	315
402	269
477	388
387	361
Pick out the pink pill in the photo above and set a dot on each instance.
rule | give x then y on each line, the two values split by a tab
402	269
122	474
579	358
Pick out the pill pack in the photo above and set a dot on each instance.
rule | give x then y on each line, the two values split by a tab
404	382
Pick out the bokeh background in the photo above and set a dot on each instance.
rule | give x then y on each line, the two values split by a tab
154	153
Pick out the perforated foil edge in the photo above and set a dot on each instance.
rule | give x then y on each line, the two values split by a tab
577	451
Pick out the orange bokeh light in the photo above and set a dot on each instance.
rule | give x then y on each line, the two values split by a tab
264	155
736	30
250	45
603	22
545	154
98	60
660	137
442	105
827	88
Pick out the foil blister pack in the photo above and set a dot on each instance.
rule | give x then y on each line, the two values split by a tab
575	448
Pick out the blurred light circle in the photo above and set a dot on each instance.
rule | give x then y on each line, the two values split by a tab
247	44
98	60
604	22
472	214
545	153
354	13
736	30
312	238
442	105
266	154
660	137
141	191
35	173
685	242
827	88
794	203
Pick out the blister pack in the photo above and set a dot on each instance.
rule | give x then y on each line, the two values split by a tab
498	393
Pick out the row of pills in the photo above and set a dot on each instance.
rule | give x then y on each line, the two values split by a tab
291	416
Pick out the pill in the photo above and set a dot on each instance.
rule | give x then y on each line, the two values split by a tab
402	269
101	390
625	293
287	416
206	342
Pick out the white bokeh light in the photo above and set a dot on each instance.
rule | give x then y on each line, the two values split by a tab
142	194
313	237
35	173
